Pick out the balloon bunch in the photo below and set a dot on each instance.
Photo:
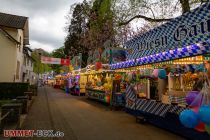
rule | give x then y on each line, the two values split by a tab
198	115
160	73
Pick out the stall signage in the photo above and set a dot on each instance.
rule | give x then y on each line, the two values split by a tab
191	28
96	95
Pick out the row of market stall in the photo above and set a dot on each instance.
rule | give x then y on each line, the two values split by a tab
164	78
168	75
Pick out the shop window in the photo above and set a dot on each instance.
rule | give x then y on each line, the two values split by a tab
17	69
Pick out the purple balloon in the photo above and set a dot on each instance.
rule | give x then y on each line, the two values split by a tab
191	96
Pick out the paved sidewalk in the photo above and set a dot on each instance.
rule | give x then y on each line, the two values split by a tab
44	115
83	119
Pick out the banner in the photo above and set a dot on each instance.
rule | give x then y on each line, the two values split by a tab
191	28
51	60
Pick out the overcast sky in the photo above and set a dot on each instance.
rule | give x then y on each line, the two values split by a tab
46	20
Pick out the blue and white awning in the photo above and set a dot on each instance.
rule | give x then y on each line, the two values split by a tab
189	51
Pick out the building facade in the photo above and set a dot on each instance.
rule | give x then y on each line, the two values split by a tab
14	37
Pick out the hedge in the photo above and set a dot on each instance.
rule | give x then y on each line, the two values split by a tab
12	90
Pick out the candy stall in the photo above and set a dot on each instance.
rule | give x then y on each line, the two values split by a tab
167	74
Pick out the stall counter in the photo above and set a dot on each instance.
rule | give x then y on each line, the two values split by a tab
99	95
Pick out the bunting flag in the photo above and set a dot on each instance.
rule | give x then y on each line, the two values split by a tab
51	60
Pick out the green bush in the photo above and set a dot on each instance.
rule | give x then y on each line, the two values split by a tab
12	90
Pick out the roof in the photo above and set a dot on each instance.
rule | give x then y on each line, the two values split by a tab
27	48
13	21
9	36
25	51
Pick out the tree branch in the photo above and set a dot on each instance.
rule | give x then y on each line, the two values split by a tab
145	18
185	6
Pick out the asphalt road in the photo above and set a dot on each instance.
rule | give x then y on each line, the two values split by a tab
82	119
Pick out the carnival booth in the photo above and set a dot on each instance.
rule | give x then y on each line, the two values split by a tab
103	84
77	81
60	81
167	76
106	86
99	86
57	81
82	81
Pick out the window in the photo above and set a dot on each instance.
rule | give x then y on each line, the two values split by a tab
17	69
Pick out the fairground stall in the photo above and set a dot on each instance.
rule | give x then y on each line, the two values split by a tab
106	86
167	74
103	84
60	81
76	79
99	85
77	82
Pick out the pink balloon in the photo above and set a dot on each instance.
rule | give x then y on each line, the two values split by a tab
155	72
195	109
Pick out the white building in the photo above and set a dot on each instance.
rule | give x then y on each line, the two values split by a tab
16	64
27	67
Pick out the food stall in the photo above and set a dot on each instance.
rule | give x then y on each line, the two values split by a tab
106	86
171	57
103	84
99	85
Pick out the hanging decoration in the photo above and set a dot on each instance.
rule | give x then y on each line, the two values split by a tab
192	50
191	96
162	74
155	73
189	118
198	116
98	65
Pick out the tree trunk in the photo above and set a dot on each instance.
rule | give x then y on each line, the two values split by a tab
185	6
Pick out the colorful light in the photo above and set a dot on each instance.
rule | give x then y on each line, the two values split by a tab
172	53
